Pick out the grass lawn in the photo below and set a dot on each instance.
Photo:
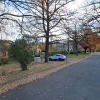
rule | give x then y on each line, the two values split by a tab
13	70
79	55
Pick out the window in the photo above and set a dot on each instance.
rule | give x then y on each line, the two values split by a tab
57	55
3	54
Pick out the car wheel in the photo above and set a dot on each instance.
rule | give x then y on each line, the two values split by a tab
59	59
50	59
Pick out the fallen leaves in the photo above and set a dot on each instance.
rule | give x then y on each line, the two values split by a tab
14	84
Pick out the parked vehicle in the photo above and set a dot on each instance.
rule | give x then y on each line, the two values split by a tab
59	57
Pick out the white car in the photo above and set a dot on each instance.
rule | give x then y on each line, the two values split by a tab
59	57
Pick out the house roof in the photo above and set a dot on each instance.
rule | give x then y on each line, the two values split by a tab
3	49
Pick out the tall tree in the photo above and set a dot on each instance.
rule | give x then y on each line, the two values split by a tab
90	40
74	33
43	15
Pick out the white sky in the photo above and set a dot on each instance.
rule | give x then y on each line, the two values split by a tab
76	4
71	6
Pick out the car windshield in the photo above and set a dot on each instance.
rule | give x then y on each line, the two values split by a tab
57	55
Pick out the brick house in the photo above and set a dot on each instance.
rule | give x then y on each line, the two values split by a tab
3	53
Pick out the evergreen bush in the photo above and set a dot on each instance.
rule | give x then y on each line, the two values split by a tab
20	51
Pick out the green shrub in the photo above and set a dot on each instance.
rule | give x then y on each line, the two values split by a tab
51	53
1	62
80	51
5	60
97	50
20	51
37	55
72	52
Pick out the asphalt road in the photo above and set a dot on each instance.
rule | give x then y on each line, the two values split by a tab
80	81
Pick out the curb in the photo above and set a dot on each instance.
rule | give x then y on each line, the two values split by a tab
31	77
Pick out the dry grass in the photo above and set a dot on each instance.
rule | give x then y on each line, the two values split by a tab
13	71
80	55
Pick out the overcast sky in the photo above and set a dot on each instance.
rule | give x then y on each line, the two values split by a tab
76	5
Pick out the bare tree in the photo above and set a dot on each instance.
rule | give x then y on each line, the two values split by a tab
74	32
39	15
91	14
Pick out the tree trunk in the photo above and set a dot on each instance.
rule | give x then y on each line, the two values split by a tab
76	50
85	50
76	42
47	48
47	34
90	50
68	46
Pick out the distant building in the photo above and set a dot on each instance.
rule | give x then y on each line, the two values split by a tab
3	53
71	46
60	46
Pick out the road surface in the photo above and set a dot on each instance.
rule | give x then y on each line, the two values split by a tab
80	81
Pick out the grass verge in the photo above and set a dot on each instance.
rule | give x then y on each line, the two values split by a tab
4	88
80	55
12	71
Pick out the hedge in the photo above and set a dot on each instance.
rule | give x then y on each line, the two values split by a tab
4	61
51	53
